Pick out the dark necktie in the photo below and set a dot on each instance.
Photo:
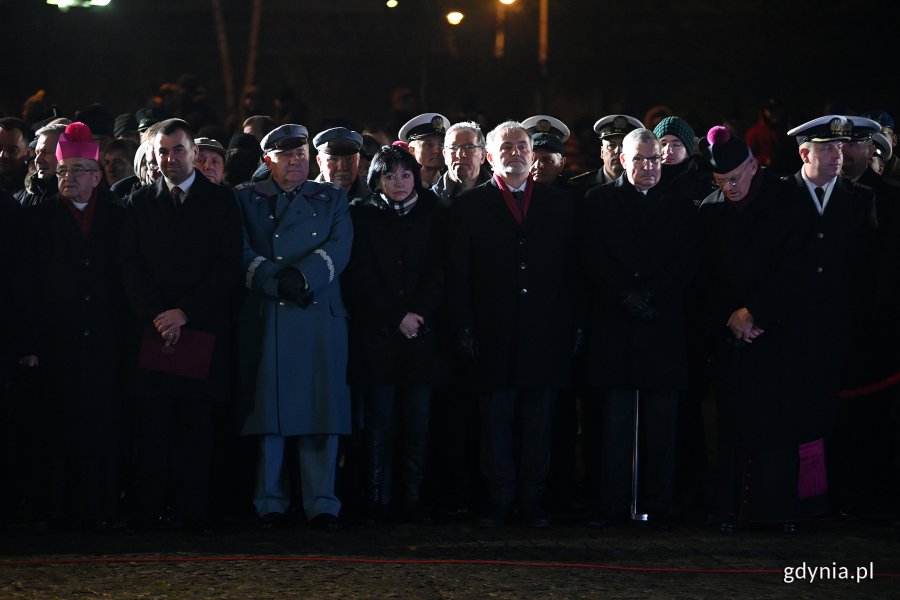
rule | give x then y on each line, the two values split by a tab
520	199
176	196
820	195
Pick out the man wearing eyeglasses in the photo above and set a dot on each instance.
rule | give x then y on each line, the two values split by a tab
511	277
293	330
639	252
181	249
464	156
754	237
71	329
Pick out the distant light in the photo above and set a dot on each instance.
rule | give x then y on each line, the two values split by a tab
392	3
455	17
507	1
67	4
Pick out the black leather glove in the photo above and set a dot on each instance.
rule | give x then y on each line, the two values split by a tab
292	287
638	305
466	344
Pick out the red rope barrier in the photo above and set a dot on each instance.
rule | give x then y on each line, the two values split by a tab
360	560
870	388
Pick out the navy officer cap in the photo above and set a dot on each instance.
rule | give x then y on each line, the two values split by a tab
547	133
338	141
284	137
882	145
830	128
863	128
616	125
424	125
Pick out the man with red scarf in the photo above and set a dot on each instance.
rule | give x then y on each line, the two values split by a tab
510	277
72	301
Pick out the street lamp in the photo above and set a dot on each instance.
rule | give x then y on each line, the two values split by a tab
455	17
65	5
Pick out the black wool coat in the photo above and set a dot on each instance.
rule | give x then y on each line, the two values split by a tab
189	258
648	245
514	286
395	268
72	311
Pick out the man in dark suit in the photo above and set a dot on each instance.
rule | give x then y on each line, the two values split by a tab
181	264
510	280
638	245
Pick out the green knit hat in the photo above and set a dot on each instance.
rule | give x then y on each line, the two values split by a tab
679	128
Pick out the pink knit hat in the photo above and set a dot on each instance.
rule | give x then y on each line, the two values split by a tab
77	142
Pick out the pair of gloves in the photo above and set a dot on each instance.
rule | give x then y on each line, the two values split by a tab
638	305
292	287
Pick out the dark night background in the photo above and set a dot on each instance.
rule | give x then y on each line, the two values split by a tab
705	60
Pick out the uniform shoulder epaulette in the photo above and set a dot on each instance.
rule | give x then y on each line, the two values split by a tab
786	177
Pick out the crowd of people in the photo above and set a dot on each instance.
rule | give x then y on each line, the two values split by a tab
349	328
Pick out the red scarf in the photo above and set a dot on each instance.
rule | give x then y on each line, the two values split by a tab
511	202
85	217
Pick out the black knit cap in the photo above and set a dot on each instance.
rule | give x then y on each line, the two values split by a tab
727	151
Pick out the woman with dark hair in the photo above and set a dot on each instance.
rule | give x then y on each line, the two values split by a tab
395	287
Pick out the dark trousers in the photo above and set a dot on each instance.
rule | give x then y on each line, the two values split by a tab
402	409
174	456
658	412
516	437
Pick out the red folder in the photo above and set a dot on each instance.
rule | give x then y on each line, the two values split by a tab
190	357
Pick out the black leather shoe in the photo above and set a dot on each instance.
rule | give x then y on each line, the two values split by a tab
491	523
272	521
537	522
324	522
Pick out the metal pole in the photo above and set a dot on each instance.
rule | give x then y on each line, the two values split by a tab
635	515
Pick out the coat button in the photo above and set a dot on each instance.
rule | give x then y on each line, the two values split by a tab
523	266
271	216
521	241
87	262
279	258
399	263
637	275
87	298
314	234
87	332
820	235
315	215
281	303
277	235
523	292
819	270
400	292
